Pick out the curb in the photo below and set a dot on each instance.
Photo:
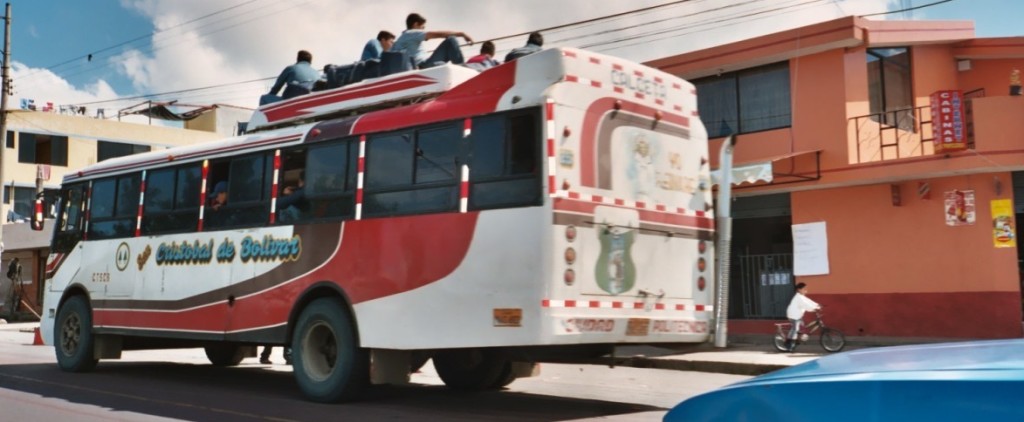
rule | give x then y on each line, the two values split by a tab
732	368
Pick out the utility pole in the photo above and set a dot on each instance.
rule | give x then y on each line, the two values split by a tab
5	89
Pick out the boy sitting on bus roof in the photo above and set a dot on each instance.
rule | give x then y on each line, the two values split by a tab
411	43
533	45
376	46
297	79
485	59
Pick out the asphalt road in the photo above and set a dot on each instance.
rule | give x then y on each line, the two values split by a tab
181	385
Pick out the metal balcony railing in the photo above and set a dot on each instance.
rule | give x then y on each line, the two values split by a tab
903	133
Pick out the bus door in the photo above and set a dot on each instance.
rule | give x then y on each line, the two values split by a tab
113	211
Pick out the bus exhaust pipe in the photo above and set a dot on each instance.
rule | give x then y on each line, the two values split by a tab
723	224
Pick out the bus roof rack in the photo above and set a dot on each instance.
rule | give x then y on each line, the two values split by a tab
361	97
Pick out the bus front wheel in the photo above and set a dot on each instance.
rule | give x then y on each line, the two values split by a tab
328	363
73	336
473	369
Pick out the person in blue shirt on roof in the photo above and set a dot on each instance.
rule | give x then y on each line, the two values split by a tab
411	43
533	44
301	73
376	46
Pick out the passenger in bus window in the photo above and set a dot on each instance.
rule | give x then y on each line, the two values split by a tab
293	204
485	59
411	43
376	46
533	45
218	199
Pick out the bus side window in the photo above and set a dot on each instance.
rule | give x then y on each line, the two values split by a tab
330	180
115	206
408	174
505	161
70	213
247	181
172	200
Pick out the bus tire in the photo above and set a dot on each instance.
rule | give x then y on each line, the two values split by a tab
473	369
73	337
329	365
226	354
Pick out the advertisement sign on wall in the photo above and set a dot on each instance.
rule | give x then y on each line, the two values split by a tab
1004	234
948	121
959	206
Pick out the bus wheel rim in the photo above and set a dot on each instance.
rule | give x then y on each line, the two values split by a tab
320	351
71	334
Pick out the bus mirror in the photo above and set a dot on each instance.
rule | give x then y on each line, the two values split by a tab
37	215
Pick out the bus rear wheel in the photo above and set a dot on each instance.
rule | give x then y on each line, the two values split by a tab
473	369
329	365
225	354
73	336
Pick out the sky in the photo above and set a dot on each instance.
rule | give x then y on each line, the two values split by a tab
91	52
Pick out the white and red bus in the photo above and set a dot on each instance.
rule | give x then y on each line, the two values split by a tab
548	208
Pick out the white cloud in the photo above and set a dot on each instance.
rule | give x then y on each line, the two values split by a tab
259	37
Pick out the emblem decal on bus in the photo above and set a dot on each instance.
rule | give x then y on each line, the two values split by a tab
616	272
123	256
144	256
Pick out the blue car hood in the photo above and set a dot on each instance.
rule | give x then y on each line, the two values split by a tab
1002	359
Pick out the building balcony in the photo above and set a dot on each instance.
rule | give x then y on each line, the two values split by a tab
992	124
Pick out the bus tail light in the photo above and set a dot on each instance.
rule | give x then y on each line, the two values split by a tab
570	256
570	277
701	283
570	233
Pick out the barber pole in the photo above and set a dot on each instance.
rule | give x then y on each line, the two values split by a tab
273	186
202	194
142	197
464	190
359	177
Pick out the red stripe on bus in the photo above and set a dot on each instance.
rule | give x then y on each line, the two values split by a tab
546	303
569	53
549	109
551	147
359	196
570	303
361	165
571	78
616	66
467	127
657	80
551	184
463	189
595	84
595	60
595	304
618	90
617	305
638	73
659	306
638	305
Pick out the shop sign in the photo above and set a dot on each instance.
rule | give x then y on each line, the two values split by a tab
948	124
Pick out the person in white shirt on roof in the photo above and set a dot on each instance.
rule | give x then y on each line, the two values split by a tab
411	43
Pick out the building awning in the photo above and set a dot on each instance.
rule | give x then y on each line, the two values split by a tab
787	168
164	111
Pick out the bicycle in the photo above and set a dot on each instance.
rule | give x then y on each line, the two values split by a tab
832	340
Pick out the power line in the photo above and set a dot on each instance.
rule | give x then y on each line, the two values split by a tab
146	96
907	9
90	55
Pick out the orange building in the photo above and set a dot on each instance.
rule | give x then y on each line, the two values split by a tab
919	239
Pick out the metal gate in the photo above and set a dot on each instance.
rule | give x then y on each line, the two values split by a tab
766	285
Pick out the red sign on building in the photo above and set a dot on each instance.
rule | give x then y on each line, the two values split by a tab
948	124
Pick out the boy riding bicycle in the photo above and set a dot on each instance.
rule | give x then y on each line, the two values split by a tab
795	312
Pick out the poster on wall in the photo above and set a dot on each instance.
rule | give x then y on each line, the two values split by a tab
810	249
1004	234
959	206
